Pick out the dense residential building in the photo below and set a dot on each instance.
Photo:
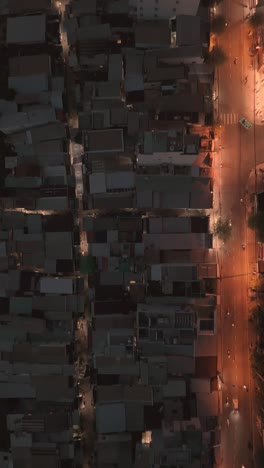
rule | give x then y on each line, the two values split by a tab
166	9
107	267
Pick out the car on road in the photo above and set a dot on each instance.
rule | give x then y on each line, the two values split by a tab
245	123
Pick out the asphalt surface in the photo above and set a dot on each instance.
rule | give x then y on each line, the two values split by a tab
238	151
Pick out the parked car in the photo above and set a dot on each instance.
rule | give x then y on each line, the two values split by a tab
245	123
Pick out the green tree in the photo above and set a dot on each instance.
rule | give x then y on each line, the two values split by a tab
256	223
256	20
216	56
222	229
218	24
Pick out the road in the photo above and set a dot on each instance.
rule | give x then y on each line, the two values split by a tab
238	92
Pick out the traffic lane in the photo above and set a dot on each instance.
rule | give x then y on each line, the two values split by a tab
235	427
231	42
234	89
235	9
235	370
242	378
244	429
229	437
231	93
236	166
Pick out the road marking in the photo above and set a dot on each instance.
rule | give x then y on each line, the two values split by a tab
229	118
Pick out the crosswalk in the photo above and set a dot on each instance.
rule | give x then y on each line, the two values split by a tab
229	118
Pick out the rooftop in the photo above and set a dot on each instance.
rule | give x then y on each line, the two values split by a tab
152	34
26	29
103	141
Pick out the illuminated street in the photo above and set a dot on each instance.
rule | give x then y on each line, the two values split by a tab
237	153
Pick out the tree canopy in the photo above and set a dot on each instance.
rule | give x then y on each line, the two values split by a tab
256	223
222	229
216	56
256	20
218	24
